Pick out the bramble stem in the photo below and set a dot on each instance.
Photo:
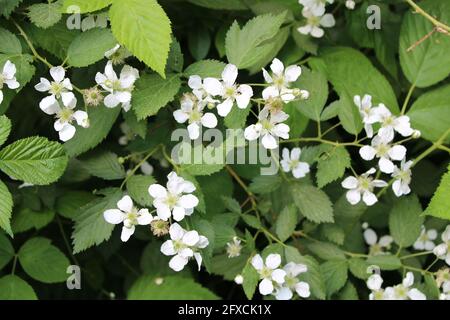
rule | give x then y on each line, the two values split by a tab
138	166
408	97
435	22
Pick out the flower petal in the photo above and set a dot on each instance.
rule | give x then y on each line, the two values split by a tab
125	204
126	233
113	216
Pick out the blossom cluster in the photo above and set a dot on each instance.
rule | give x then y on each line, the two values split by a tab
316	18
384	149
173	201
402	291
61	100
280	282
8	77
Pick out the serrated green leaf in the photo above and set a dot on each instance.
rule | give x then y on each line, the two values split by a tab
439	204
335	275
348	292
405	220
358	267
90	226
237	118
45	15
43	261
14	288
138	127
144	28
419	63
297	121
34	160
153	92
84	6
70	203
333	232
6	251
251	278
103	164
5	129
286	222
199	42
331	164
26	219
137	187
313	203
431	114
326	251
205	228
252	221
241	44
231	204
6	206
265	184
315	82
385	261
90	47
173	287
101	121
9	43
220	265
205	68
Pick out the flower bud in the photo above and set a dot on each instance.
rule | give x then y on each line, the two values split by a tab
121	160
239	279
159	281
416	134
350	4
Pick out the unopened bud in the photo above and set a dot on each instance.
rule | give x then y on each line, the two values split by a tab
239	279
304	94
159	281
121	160
350	4
416	134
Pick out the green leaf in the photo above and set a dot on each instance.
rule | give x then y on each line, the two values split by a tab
333	232
6	251
14	288
231	204
144	28
85	6
358	267
335	275
137	187
431	114
313	203
237	118
205	68
34	160
9	43
331	164
90	226
348	292
153	92
6	206
199	42
326	251
286	223
351	73
221	265
26	219
241	44
315	82
8	6
89	47
70	203
101	121
43	261
313	277
252	221
172	288
205	228
440	202
5	129
103	164
420	63
44	15
297	121
405	220
137	127
385	261
251	279
265	184
175	61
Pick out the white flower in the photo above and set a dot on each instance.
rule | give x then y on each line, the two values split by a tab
119	88
174	201
385	151
402	178
129	215
281	80
183	246
368	114
292	283
234	248
317	7
192	111
65	116
228	90
391	123
269	128
60	87
425	240
291	162
117	54
196	83
404	291
8	77
146	168
268	272
315	22
350	4
374	283
442	251
239	279
362	185
377	247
